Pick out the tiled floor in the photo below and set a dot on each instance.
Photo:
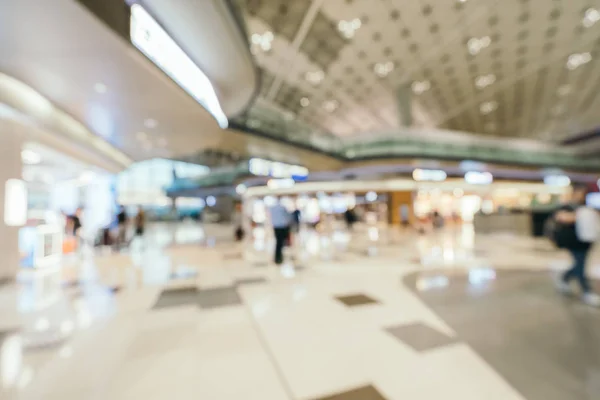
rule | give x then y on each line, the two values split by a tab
193	315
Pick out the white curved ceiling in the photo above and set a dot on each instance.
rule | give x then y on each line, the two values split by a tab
505	68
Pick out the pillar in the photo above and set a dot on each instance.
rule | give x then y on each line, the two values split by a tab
10	168
396	202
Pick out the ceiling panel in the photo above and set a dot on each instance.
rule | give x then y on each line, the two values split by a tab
507	68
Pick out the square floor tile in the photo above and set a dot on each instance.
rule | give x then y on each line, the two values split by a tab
358	299
177	297
363	393
250	281
420	336
219	297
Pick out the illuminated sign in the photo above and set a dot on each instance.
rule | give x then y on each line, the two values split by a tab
432	175
152	40
557	180
274	169
479	178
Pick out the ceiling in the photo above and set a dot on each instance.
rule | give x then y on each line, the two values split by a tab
348	70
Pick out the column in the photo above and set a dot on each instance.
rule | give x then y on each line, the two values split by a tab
10	168
398	201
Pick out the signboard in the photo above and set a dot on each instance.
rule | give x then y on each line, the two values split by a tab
274	169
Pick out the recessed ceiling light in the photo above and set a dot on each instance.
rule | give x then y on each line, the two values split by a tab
330	105
262	41
564	90
100	88
150	123
315	77
488	107
590	17
578	59
484	81
383	69
304	102
349	28
419	87
30	157
475	45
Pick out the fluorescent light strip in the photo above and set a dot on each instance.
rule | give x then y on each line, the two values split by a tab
152	40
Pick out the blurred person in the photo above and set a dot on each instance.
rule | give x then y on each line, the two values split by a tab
350	218
121	227
577	228
296	216
281	221
140	222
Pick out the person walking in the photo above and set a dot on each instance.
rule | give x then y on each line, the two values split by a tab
577	229
281	220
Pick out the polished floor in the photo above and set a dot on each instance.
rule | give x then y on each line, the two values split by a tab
372	314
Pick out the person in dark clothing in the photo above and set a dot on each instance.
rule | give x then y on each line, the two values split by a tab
350	218
121	227
578	231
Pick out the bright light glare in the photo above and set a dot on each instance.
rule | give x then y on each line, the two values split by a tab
285	183
557	180
429	175
479	178
149	37
30	157
241	189
371	196
211	201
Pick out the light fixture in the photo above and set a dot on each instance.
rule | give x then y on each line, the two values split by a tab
262	42
419	87
349	28
211	201
150	123
488	107
564	90
154	42
283	183
557	180
383	69
100	88
484	81
371	197
578	59
330	105
315	77
30	157
433	175
304	102
475	45
479	178
241	189
590	17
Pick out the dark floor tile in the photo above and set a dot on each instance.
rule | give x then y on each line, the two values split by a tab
219	297
358	299
420	336
177	297
363	393
250	280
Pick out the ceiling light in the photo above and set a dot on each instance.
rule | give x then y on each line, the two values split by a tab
475	45
263	42
578	59
150	123
304	102
484	81
349	28
100	88
383	69
330	105
590	17
564	90
488	107
30	157
315	77
420	87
